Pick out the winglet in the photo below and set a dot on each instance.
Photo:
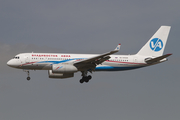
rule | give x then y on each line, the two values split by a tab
99	58
117	48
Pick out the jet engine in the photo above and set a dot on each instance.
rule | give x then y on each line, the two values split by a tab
64	68
60	75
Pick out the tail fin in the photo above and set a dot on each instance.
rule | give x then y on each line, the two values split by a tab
155	46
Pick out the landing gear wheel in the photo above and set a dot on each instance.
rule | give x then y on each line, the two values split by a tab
27	71
28	78
87	80
81	81
89	77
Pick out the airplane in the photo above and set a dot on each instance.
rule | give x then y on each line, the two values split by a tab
63	65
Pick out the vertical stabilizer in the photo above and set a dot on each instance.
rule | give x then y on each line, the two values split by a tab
155	46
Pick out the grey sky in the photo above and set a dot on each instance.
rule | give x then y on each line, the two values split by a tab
84	26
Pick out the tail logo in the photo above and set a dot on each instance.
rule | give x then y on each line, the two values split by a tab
156	44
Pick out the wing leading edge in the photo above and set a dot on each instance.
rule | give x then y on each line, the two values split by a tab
97	59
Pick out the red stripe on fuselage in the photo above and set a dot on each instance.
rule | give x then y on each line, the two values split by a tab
28	63
123	62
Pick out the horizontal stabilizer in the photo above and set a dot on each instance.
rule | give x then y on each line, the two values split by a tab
157	59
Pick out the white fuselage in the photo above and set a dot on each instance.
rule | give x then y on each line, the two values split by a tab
44	61
60	65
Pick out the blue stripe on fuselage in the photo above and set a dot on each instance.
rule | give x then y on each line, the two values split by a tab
62	61
54	62
111	68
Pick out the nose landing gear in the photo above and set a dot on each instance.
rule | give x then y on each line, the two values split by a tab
27	71
28	78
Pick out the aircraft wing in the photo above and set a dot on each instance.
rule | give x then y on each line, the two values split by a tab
157	59
97	59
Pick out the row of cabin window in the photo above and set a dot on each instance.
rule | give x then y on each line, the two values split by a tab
69	59
119	60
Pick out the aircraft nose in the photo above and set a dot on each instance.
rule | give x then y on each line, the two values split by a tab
11	63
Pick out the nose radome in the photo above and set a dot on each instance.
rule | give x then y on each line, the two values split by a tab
9	63
13	63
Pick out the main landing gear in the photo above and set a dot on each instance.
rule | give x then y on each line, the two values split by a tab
85	78
27	71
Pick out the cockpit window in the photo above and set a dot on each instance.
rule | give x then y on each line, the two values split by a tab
16	57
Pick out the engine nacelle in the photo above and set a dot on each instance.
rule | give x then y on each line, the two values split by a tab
64	68
60	75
